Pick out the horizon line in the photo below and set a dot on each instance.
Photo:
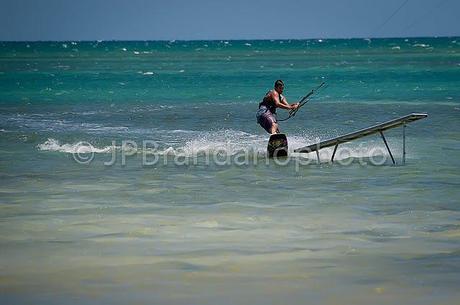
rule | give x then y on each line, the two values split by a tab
233	39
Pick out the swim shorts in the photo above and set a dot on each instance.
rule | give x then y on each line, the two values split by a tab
265	118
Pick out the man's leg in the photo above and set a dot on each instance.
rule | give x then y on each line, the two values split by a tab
274	129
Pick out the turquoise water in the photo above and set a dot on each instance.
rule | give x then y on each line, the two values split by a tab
212	220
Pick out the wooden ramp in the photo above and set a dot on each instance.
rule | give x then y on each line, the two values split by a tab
402	121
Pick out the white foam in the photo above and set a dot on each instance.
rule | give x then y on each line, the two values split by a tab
79	147
296	141
148	73
248	44
228	142
180	131
421	45
396	48
168	152
233	142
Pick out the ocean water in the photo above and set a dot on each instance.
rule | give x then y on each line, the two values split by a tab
135	173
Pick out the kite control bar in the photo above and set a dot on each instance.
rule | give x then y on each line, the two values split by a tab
304	100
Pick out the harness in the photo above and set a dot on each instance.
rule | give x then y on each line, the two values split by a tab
269	103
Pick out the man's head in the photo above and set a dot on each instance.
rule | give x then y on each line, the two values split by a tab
279	86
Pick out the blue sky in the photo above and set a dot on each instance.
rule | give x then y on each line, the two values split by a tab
237	19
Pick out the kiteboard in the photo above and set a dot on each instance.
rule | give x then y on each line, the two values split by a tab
277	145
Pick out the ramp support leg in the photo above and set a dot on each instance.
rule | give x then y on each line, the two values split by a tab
333	154
388	148
404	144
317	155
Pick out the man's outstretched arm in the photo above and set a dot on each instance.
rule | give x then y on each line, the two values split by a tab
281	104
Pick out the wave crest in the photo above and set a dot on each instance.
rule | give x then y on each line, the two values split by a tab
79	147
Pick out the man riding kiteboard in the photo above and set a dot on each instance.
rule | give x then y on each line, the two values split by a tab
266	115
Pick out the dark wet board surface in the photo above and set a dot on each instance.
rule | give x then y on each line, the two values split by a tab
277	145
